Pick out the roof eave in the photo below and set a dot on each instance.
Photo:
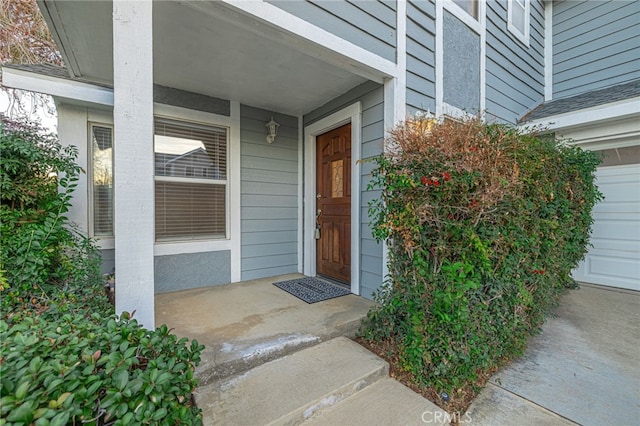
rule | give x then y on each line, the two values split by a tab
601	113
49	12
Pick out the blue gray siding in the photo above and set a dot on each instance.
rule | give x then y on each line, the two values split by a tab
108	265
370	24
514	72
461	65
181	98
596	44
371	96
421	47
269	195
191	270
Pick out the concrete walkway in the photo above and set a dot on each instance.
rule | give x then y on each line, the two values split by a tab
583	368
271	358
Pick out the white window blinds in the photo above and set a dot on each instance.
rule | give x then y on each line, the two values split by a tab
102	185
191	180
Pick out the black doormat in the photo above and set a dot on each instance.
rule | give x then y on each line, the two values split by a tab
311	290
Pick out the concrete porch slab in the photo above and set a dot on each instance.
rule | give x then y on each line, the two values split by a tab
246	324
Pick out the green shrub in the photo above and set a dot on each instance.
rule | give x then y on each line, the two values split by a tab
65	358
40	249
484	224
99	371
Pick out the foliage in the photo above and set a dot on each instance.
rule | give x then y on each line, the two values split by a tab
65	358
24	34
38	248
484	224
25	39
100	371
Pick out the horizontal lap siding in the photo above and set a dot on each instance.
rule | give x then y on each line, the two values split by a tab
514	72
421	42
371	96
596	44
372	145
269	195
370	24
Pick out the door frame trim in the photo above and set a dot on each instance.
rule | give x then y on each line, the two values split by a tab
350	114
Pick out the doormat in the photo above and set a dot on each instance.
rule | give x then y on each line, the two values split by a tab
311	290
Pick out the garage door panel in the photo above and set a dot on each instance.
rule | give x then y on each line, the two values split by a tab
613	271
616	229
614	259
629	210
607	244
621	192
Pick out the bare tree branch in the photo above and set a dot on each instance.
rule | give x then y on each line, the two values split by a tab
25	39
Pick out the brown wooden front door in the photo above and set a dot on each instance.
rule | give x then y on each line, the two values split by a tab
333	204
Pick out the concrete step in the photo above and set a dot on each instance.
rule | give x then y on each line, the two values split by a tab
246	324
293	388
386	402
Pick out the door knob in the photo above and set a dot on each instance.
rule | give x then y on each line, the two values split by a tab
318	196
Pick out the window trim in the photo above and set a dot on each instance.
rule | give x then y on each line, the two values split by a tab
474	23
104	241
480	27
523	37
195	245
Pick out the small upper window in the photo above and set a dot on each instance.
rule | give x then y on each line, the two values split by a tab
518	19
469	6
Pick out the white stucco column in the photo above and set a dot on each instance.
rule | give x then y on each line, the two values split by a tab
133	158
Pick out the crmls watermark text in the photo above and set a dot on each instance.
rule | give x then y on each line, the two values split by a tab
442	417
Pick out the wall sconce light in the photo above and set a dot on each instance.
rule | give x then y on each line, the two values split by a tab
423	121
272	126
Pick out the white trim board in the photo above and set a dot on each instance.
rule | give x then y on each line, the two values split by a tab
233	188
548	50
591	115
350	114
57	87
479	26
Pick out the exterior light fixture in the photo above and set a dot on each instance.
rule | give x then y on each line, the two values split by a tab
272	126
423	121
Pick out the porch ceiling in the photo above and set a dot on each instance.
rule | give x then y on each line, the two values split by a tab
200	48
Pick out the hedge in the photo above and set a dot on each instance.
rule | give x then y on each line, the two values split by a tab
484	224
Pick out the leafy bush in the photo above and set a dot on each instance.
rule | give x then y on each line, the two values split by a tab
98	371
484	225
65	358
40	250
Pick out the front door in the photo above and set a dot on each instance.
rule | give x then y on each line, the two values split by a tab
333	204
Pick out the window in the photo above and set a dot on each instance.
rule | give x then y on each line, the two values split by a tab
190	181
102	180
469	6
518	19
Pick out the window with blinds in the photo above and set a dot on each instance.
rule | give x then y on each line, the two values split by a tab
102	180
190	181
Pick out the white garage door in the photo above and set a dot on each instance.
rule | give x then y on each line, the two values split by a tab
614	259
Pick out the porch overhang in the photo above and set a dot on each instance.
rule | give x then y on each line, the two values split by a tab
250	52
